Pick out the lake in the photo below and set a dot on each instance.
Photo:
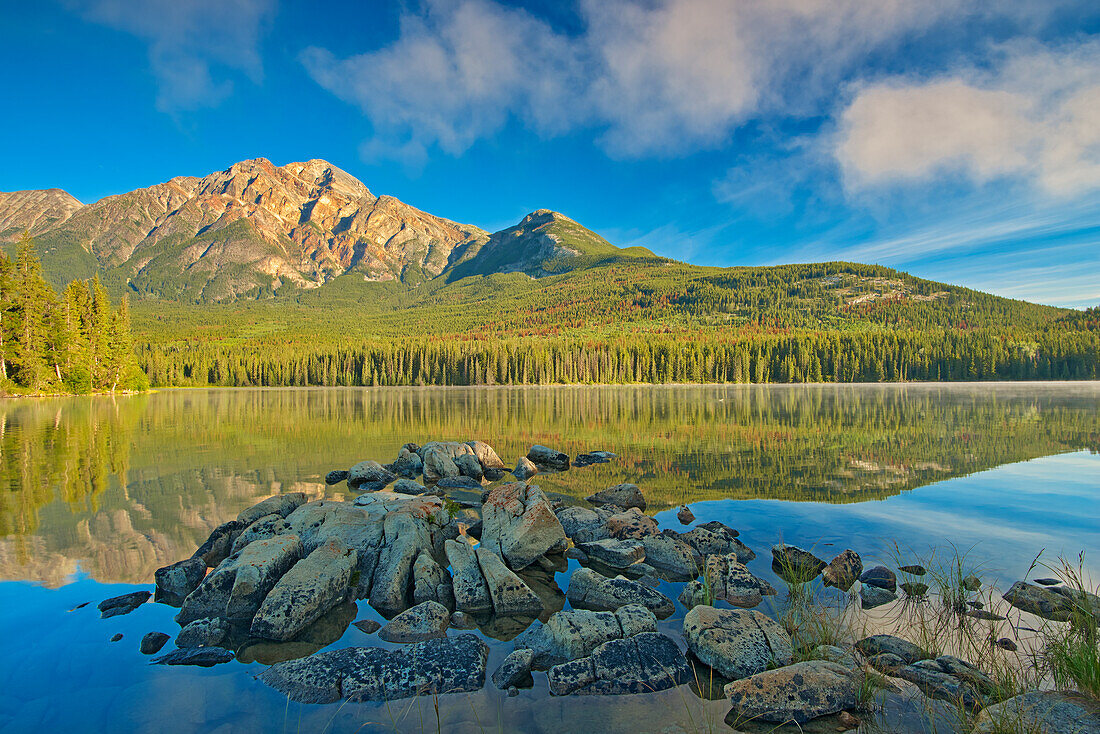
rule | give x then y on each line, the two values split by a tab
97	493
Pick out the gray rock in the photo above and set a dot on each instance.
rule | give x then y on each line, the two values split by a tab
336	476
515	671
730	581
280	504
510	595
1045	602
736	642
438	458
715	539
793	693
470	590
794	565
431	582
695	594
203	633
643	663
964	671
459	482
409	466
591	590
470	467
886	662
407	534
632	523
685	515
367	626
519	525
907	651
310	588
914	588
462	621
124	604
582	525
576	554
934	683
569	635
152	642
485	455
880	577
547	459
874	596
672	556
1050	712
634	619
177	580
422	622
620	495
408	486
615	553
1048	582
442	665
204	657
236	588
525	469
369	476
849	658
266	527
217	546
844	570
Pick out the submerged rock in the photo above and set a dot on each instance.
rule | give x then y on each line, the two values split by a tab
873	596
442	665
592	457
152	642
591	590
515	671
621	495
615	553
844	570
876	644
736	642
1050	712
568	635
519	525
642	663
422	622
124	604
880	577
547	459
203	633
204	657
177	580
793	693
367	626
310	588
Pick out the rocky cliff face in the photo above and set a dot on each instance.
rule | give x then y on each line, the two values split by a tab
34	211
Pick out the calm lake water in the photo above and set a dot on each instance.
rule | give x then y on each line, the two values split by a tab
97	493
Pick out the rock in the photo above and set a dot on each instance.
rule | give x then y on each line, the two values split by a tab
124	604
593	457
876	644
152	642
1041	601
880	577
547	459
671	555
407	533
615	553
915	570
843	571
203	633
848	721
1049	712
266	527
204	657
369	476
511	596
984	615
177	580
515	671
631	524
794	565
431	582
685	515
328	629
116	637
971	583
582	525
458	482
310	588
280	504
716	539
569	635
793	693
849	658
422	622
736	642
695	594
934	683
411	447
591	590
914	588
576	554
408	465
441	665
519	526
336	476
462	621
217	546
886	662
1048	582
732	582
470	467
438	458
525	469
1006	644
408	486
643	663
236	588
470	590
368	626
873	596
964	671
620	495
485	455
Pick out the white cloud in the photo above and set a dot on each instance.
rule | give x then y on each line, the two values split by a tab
1035	116
186	39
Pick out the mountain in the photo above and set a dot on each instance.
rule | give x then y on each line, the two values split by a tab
34	211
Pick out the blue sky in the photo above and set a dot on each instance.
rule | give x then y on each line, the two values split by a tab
957	140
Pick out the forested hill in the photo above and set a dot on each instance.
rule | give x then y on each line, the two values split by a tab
299	275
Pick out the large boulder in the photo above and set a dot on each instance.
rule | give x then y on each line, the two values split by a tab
369	476
643	663
217	547
730	581
519	525
442	665
407	534
310	588
470	590
266	527
470	468
356	526
736	642
419	623
620	495
582	525
511	596
632	523
408	465
280	504
1049	712
591	590
669	554
794	693
569	635
438	458
843	570
177	580
1057	603
547	459
485	455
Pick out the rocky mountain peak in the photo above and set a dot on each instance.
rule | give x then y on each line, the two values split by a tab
34	211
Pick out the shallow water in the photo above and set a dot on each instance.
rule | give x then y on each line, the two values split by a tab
97	493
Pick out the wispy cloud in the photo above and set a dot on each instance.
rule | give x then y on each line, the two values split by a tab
191	43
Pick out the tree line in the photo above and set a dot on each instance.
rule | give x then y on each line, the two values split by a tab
73	342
